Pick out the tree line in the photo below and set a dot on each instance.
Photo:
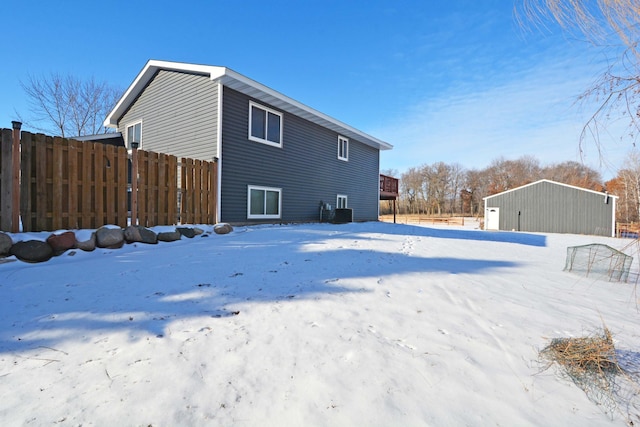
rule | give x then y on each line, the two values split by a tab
442	189
450	189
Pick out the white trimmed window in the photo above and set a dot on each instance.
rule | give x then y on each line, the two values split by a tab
341	201
134	134
265	125
343	148
263	202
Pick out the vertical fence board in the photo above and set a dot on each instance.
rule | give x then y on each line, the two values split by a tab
121	191
162	189
74	148
56	183
152	173
99	183
27	181
41	182
110	212
143	187
173	191
6	169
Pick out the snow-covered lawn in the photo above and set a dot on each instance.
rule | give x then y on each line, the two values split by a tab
366	324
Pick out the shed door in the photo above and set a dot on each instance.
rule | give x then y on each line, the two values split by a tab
492	219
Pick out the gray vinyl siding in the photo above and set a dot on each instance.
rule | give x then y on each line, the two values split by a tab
306	168
554	208
179	115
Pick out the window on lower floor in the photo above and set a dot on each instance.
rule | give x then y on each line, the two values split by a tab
341	201
263	202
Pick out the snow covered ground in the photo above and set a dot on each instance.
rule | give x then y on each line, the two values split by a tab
367	324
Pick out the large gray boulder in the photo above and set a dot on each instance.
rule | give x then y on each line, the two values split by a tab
110	238
5	244
186	231
138	233
87	245
32	251
222	228
169	236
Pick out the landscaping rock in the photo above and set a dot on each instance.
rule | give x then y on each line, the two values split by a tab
5	244
62	242
109	238
138	233
222	228
87	245
198	231
169	236
32	251
186	232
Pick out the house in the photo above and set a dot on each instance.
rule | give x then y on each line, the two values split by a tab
278	159
551	207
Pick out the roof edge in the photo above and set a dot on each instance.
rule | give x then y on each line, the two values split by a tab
227	76
551	182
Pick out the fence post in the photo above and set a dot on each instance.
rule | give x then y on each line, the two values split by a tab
134	183
15	178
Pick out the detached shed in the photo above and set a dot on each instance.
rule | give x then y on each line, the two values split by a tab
551	207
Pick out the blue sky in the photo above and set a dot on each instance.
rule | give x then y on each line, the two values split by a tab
457	81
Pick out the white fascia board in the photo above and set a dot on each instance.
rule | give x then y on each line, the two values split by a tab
245	85
144	76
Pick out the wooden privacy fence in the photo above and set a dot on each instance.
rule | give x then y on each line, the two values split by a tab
68	184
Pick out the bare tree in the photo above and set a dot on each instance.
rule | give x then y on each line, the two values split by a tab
626	185
614	25
574	173
65	105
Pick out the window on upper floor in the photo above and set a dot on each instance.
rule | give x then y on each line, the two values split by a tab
343	148
341	201
263	202
134	134
265	125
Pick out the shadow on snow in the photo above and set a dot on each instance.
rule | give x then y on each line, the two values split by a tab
142	288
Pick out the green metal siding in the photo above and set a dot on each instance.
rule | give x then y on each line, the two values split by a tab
553	208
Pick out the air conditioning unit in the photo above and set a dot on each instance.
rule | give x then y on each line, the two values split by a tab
343	215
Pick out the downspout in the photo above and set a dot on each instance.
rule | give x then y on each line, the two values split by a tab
219	151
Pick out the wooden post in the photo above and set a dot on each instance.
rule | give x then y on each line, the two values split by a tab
15	178
134	183
394	210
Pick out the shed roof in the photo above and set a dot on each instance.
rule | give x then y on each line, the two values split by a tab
242	84
550	182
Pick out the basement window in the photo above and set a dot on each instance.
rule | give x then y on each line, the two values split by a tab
263	202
